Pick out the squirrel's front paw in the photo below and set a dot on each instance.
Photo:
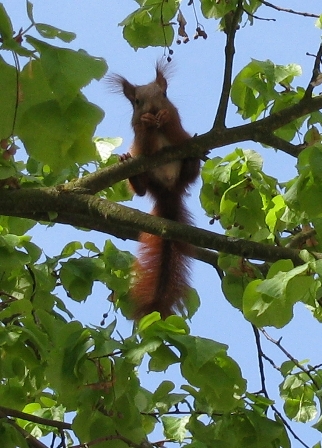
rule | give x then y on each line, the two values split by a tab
162	117
125	156
149	119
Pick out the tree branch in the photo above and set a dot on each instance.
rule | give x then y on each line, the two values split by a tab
89	211
290	357
278	143
31	440
316	72
260	131
291	11
76	208
35	419
229	59
260	361
260	355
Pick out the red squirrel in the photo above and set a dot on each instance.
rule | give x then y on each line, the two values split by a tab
162	267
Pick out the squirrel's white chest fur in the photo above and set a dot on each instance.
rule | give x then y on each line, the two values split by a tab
166	174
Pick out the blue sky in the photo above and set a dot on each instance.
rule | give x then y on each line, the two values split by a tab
195	89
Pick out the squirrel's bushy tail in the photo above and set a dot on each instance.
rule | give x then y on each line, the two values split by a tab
162	268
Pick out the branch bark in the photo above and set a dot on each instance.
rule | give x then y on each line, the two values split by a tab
89	211
291	11
229	59
35	419
75	203
261	131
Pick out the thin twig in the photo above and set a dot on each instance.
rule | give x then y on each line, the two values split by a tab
290	357
313	368
263	383
260	360
210	257
285	422
316	72
257	17
290	11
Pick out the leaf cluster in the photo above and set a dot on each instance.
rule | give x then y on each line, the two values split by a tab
83	383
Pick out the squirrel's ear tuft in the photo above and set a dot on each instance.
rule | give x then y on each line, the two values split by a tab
162	74
119	84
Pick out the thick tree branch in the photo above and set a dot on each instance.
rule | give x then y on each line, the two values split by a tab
261	131
75	207
105	216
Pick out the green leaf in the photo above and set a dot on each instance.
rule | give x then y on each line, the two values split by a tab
68	365
66	70
10	437
16	226
318	24
287	367
30	8
270	302
275	213
8	95
33	251
163	389
142	27
263	310
276	285
91	247
201	350
70	249
206	366
54	104
254	86
50	32
175	427
65	137
233	287
162	358
7	171
118	268
192	302
105	146
78	275
135	355
148	320
6	29
215	10
299	398
318	426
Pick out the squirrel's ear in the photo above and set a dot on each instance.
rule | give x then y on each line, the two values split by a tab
128	90
120	84
160	79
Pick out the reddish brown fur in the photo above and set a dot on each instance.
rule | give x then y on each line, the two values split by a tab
162	268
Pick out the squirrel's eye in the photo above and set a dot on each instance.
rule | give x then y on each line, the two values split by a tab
137	101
